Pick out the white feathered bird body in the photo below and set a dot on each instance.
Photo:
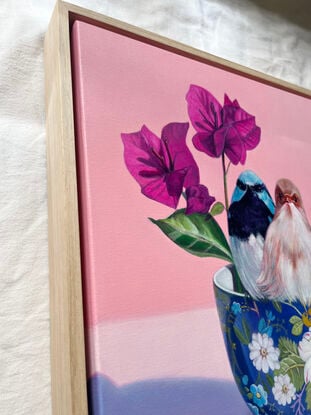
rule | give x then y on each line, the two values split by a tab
286	265
247	256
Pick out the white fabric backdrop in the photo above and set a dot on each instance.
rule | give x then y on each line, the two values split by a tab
248	32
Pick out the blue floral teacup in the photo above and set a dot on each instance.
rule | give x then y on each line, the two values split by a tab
269	349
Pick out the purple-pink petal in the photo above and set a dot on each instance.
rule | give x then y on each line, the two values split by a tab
234	147
228	102
204	110
162	167
198	199
249	135
211	144
166	189
221	130
177	152
139	155
243	122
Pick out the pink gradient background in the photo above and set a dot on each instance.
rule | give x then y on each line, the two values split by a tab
131	270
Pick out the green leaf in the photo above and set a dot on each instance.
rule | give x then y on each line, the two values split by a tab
217	209
293	366
197	234
237	284
294	319
243	339
287	348
270	380
297	328
308	396
246	330
297	325
278	306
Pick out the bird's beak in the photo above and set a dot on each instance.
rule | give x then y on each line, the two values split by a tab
288	198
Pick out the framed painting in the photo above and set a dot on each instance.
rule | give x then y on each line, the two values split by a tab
134	324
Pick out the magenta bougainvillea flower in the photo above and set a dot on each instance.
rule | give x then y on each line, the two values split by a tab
162	167
198	199
226	129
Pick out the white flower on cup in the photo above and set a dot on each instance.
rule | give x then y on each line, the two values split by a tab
262	353
304	349
304	346
283	390
307	371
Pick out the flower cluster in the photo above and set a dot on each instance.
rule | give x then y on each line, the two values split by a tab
164	166
281	382
226	129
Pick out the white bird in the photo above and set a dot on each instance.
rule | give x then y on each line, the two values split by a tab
286	265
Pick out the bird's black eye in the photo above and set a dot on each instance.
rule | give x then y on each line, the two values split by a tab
241	185
258	188
295	198
280	196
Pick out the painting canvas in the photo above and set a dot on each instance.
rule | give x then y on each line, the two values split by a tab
154	344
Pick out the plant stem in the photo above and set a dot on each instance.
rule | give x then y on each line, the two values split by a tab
224	172
229	164
297	405
237	285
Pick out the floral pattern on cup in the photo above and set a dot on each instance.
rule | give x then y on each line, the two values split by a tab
269	349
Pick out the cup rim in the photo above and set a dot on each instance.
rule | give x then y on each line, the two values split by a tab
223	281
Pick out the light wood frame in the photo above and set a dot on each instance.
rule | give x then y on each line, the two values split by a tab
68	371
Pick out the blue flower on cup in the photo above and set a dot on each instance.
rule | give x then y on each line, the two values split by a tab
259	395
254	410
236	308
263	327
270	315
245	380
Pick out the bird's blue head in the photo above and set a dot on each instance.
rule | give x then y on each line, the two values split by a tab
249	180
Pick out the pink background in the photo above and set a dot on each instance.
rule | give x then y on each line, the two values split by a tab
153	334
132	270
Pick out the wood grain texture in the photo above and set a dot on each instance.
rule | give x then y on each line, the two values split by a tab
68	372
88	16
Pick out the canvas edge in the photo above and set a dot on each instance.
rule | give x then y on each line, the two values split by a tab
68	373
